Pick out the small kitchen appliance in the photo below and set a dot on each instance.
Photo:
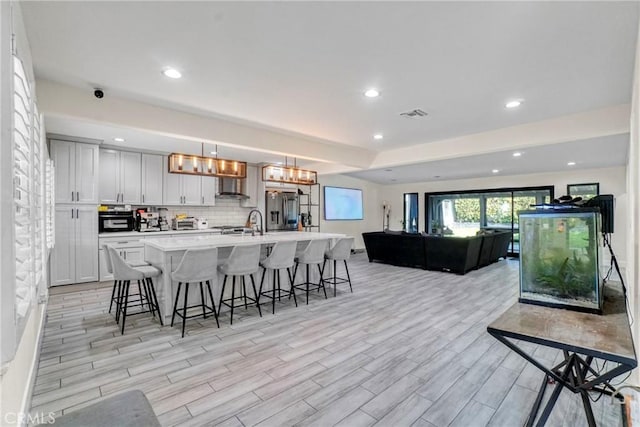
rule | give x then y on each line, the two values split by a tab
202	223
147	221
110	221
184	223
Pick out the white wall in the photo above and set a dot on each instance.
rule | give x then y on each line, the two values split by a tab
633	208
612	181
372	208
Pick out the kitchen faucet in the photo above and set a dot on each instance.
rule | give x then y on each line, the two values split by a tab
261	220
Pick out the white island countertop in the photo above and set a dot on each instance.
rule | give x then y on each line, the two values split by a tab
228	240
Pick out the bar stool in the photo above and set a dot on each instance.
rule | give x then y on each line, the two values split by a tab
341	251
281	257
243	261
116	283
313	254
124	273
197	265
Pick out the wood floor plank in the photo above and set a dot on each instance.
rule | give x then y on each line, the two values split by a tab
291	415
341	408
407	412
475	414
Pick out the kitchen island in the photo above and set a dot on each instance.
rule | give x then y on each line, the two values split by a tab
166	254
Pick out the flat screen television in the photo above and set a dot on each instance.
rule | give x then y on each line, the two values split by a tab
342	204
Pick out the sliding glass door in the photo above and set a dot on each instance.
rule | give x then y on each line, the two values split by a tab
410	217
464	213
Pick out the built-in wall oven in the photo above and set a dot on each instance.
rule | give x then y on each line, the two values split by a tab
113	221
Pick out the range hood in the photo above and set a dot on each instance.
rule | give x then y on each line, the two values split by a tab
231	188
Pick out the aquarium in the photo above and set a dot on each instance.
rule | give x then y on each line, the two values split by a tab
560	257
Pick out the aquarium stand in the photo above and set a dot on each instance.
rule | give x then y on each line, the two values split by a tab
582	337
571	373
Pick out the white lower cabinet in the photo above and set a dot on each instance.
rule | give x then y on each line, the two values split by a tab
74	258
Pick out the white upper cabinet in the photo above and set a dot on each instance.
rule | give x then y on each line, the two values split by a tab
209	190
191	190
76	171
184	190
109	177
87	173
152	170
120	177
251	188
130	177
63	155
172	186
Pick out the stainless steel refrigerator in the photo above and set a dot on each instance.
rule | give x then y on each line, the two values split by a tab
281	213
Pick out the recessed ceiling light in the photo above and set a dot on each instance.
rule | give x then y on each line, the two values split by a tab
571	164
517	154
172	73
378	136
495	171
118	139
214	152
513	104
372	93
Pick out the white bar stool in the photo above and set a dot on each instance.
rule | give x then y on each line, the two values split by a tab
341	251
313	254
243	261
116	283
281	257
197	265
125	273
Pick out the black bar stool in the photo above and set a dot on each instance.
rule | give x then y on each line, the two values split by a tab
313	254
197	265
124	274
281	257
341	251
243	261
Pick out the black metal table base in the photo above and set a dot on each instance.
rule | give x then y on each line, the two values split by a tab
573	373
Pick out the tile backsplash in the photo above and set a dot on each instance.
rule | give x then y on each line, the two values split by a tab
225	212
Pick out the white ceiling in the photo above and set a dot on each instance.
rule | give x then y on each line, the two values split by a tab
589	153
302	66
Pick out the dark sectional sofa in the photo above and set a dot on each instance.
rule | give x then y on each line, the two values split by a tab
441	253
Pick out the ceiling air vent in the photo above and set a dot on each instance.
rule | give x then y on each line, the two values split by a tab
413	114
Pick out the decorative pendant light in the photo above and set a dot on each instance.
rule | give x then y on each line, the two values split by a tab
289	174
188	164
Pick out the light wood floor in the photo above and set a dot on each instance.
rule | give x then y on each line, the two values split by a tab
408	347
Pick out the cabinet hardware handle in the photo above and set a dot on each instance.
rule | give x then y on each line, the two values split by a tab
77	196
122	243
77	213
71	213
203	200
143	198
72	196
